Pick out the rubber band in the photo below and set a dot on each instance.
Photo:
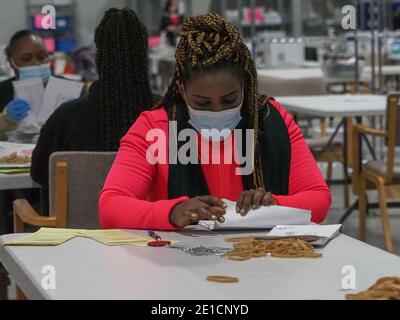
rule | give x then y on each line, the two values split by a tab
239	239
245	248
387	288
222	279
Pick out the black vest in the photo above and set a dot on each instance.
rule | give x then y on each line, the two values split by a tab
275	150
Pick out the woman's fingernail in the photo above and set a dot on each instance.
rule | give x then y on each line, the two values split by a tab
237	210
254	206
224	205
242	211
221	219
213	217
194	216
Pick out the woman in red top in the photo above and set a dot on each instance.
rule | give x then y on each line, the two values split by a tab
214	87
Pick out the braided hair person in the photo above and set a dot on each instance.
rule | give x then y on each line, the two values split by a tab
98	121
214	87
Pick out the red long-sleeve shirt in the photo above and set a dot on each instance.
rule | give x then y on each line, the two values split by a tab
135	194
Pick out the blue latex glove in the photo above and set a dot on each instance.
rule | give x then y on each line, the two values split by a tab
18	109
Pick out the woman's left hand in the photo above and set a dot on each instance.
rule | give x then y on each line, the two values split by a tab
253	199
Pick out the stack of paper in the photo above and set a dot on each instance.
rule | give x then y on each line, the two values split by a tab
45	237
32	91
57	236
115	237
44	101
57	92
25	134
262	218
15	157
315	234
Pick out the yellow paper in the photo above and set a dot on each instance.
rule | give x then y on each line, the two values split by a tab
57	236
116	237
45	237
15	170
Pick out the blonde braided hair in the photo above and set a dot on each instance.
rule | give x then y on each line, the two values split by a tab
209	40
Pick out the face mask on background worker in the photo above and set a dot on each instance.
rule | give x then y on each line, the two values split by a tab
41	71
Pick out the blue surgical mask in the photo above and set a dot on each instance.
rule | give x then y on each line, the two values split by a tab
224	121
42	71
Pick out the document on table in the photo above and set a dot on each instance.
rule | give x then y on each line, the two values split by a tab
11	171
57	236
262	218
45	237
315	234
116	237
31	90
57	92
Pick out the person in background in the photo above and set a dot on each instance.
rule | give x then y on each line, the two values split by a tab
214	89
171	21
84	60
98	121
29	58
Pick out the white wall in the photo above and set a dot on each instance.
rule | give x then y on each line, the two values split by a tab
12	18
200	7
89	14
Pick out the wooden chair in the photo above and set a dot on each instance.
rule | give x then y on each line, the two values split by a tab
384	176
330	154
75	181
4	282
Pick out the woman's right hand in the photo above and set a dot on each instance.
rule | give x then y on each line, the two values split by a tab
196	209
18	109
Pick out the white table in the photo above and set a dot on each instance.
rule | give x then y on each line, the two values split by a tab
392	70
162	67
339	105
88	270
316	72
291	73
157	56
306	73
16	181
336	105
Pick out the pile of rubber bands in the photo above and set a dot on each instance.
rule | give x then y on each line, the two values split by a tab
245	248
13	158
387	288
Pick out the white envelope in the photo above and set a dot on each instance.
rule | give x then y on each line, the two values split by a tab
316	234
262	218
315	230
57	92
31	90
